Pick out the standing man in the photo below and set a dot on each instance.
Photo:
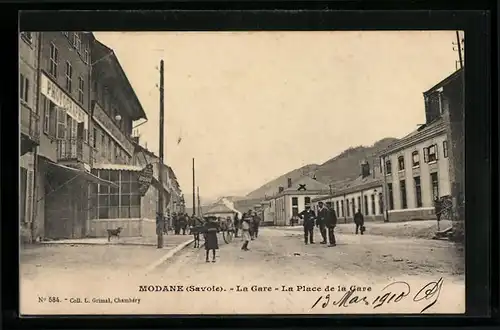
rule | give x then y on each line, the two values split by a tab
256	224
249	218
177	227
183	223
236	224
359	220
331	222
308	217
321	221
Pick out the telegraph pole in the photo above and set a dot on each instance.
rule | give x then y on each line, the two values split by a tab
199	204
161	222
194	193
459	46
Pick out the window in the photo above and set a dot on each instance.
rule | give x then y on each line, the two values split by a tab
415	156
435	185
24	86
401	163
103	145
61	124
295	206
431	154
445	149
373	204
402	187
94	142
307	200
69	76
388	167
380	203
86	56
353	206
117	202
337	207
347	208
341	208
390	193
418	191
77	42
71	128
81	85
27	36
366	205
49	117
53	60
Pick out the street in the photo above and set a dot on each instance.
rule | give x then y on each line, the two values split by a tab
277	259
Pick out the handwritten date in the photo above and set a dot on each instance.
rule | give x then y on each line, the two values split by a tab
392	293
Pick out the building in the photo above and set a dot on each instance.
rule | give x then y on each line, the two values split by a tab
220	210
290	201
29	126
417	167
364	194
64	155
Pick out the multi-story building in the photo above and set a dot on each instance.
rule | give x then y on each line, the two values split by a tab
29	125
363	193
65	156
416	167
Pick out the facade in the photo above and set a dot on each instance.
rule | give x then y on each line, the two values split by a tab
417	167
77	174
364	194
29	126
289	202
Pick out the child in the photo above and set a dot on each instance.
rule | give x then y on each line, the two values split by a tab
245	228
211	242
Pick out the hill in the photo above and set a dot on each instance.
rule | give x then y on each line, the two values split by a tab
343	167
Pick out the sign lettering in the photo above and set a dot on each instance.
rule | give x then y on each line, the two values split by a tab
62	100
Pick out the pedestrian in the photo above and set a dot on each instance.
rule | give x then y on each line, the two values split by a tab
236	224
245	230
331	223
184	223
256	224
438	208
176	222
250	218
321	221
308	217
359	220
211	242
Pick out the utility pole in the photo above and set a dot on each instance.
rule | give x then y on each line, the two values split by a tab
161	223
199	204
194	193
459	47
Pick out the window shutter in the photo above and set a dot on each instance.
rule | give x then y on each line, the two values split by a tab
61	124
46	115
26	89
426	155
437	151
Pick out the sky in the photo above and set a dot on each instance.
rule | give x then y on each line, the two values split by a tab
251	106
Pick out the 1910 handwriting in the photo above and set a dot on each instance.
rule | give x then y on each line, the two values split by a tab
392	293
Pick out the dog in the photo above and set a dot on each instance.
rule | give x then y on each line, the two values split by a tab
114	233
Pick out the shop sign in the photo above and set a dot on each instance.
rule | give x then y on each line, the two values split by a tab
57	96
145	177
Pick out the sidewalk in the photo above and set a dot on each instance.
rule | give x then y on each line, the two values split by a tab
416	229
97	255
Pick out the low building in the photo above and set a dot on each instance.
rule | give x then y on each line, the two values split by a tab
417	168
364	194
290	201
220	210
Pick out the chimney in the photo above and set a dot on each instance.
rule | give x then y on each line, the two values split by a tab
365	169
289	182
280	189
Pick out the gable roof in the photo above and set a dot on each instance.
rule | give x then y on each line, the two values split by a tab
219	208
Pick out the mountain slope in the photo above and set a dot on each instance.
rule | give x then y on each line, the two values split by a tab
343	167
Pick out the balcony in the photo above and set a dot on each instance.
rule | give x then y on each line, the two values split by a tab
75	153
30	129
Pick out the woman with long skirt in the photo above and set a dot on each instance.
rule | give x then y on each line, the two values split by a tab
211	241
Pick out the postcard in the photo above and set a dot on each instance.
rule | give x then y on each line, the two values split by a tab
197	173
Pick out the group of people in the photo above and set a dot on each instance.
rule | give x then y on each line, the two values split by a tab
249	226
326	220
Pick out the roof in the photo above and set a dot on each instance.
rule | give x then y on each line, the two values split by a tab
445	81
140	110
358	184
310	183
219	208
117	167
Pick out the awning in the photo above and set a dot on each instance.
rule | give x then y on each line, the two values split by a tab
77	172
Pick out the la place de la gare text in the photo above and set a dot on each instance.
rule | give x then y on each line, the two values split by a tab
253	288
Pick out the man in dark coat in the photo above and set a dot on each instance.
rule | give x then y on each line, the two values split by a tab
331	222
236	222
256	224
211	242
321	221
177	227
308	217
359	220
183	222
